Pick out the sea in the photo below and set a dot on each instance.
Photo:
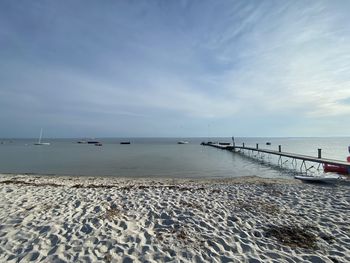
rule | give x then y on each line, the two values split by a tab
160	157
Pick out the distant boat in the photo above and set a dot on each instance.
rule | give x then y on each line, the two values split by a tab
124	142
92	142
39	142
268	143
82	141
98	144
182	142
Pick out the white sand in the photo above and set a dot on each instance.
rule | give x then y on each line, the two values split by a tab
49	219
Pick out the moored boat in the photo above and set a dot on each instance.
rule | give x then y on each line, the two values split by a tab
93	142
39	141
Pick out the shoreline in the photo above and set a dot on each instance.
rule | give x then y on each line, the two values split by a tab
25	177
104	219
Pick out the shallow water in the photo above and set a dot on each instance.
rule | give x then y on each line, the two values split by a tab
156	157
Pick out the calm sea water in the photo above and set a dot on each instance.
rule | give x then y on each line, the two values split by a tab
156	157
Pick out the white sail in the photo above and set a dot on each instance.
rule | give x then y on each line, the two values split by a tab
41	134
39	142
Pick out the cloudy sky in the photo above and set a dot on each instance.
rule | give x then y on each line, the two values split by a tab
174	68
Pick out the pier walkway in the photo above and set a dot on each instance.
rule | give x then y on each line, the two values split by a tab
280	154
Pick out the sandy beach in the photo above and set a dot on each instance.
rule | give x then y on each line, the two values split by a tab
101	219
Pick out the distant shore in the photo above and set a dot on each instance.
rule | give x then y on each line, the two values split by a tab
107	219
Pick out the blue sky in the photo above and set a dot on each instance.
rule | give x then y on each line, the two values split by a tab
174	68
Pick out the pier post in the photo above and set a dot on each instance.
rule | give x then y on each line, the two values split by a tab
243	145
279	148
257	146
319	153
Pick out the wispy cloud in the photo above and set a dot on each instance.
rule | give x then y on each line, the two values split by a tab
141	62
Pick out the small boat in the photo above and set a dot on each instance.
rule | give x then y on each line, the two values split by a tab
318	179
98	144
224	143
124	142
182	142
329	168
339	169
93	142
39	141
82	142
42	143
268	143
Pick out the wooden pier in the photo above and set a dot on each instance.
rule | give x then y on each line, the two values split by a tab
303	158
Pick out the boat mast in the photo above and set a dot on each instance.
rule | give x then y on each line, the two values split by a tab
41	134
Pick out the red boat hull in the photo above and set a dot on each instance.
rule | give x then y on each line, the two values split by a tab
327	168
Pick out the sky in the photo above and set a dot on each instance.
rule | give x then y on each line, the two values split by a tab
174	68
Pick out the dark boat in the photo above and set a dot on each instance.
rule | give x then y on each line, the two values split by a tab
93	142
224	143
124	142
268	143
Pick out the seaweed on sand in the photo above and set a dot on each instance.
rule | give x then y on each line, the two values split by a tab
108	257
175	233
113	213
92	186
293	236
14	181
182	235
184	188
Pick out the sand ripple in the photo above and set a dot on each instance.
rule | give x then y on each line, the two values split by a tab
104	220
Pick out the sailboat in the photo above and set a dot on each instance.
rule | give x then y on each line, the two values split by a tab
39	142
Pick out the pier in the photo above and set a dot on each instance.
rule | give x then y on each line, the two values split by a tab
280	154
